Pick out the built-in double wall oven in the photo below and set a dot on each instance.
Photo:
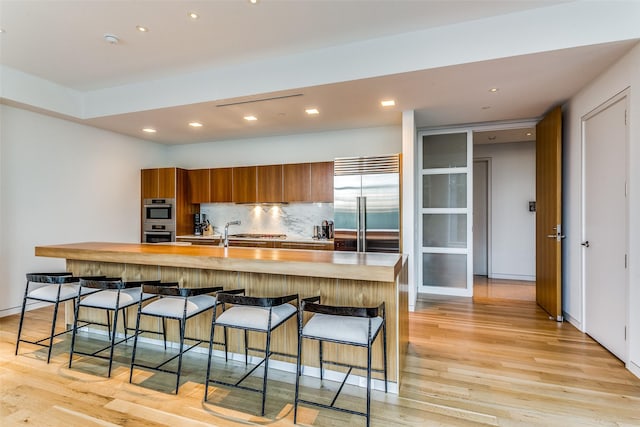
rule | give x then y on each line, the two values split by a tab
159	220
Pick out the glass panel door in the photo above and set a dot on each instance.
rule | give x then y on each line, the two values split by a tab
445	228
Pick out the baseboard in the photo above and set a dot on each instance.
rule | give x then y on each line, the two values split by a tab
634	368
575	322
356	380
522	277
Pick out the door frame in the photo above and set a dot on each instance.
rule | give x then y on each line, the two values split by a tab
487	160
623	95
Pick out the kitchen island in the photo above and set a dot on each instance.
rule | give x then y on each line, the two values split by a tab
341	278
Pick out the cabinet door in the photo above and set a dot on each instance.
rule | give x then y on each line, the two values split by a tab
167	183
244	184
252	243
220	185
198	185
149	183
322	182
297	182
269	184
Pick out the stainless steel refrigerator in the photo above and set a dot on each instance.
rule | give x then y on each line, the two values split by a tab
366	197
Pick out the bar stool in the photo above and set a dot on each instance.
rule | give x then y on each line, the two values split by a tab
258	314
112	295
55	288
354	326
176	303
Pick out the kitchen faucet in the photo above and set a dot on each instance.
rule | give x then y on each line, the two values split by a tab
226	231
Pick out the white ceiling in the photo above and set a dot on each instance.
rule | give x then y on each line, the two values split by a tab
62	42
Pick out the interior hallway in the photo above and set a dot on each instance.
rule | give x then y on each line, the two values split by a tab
490	361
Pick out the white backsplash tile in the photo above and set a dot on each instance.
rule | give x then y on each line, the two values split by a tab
293	219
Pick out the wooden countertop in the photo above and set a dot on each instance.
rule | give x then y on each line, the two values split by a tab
380	267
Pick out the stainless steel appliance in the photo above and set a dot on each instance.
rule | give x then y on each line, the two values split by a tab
367	204
159	221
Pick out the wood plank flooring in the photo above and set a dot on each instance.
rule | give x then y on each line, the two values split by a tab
492	361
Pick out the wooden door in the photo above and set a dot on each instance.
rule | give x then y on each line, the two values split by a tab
605	229
149	183
297	182
269	182
167	183
549	213
322	182
244	184
221	185
198	185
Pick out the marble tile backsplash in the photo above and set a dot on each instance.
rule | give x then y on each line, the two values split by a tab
293	219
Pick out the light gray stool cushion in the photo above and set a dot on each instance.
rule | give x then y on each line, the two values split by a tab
107	298
50	292
341	328
244	316
174	306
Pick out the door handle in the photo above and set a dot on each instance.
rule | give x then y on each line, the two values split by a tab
585	243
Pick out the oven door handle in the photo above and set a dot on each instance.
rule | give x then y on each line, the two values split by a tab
164	233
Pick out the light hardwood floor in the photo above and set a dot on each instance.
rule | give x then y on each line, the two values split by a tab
492	361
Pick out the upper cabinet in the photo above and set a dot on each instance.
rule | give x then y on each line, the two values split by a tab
244	184
220	184
198	185
158	183
299	182
269	183
322	182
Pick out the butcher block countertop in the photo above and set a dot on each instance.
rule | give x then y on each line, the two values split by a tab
380	267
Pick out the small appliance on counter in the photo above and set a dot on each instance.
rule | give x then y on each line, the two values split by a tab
201	224
324	231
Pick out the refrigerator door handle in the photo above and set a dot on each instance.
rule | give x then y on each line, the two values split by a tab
361	224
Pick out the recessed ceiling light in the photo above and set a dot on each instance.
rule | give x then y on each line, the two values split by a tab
388	103
142	29
493	90
250	118
529	134
195	125
193	15
312	111
486	107
2	30
149	130
253	1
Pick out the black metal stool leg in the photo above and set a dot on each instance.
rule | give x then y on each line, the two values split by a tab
135	342
320	351
211	337
266	370
53	329
298	374
74	332
182	328
113	339
24	306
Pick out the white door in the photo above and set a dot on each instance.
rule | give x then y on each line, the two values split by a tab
480	216
605	226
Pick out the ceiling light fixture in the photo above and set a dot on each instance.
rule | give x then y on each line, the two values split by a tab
486	107
253	1
149	130
141	28
388	103
193	15
529	134
312	111
493	90
111	38
250	118
2	30
195	125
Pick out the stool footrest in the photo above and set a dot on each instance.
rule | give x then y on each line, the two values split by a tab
337	408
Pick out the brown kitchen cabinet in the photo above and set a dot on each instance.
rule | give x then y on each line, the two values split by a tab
269	184
297	182
252	243
199	185
220	185
158	183
199	241
318	246
322	182
244	184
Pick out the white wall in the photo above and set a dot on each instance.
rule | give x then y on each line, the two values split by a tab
62	182
313	147
513	185
625	73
